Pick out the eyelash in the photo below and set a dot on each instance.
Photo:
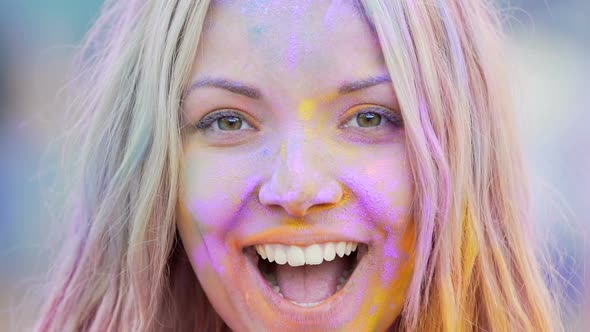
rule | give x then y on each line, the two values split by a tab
391	116
210	118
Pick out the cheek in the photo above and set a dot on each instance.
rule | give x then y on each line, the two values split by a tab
390	179
383	185
391	281
211	261
202	244
382	182
215	189
398	257
215	271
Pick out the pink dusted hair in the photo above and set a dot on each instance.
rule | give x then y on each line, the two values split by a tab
123	266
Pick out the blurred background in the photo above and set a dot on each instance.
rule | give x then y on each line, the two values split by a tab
550	53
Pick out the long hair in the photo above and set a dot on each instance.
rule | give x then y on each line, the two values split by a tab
123	266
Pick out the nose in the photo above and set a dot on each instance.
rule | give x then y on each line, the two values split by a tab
300	180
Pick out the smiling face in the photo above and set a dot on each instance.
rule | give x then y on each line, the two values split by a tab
296	202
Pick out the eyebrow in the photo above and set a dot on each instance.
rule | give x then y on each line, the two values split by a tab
254	93
353	86
232	86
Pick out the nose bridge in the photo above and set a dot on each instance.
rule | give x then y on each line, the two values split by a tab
299	178
295	160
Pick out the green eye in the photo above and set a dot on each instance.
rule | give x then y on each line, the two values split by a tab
223	120
368	119
229	123
374	117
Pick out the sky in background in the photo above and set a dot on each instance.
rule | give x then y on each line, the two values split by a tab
550	53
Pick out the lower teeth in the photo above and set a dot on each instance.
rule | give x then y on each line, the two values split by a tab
306	304
277	290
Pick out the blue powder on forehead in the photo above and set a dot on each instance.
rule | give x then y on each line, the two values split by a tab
255	33
253	5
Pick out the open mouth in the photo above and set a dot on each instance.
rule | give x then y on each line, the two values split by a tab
307	276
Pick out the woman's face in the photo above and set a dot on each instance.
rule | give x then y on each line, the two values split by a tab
295	211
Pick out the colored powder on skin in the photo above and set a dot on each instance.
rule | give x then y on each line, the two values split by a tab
388	272
249	188
265	152
252	6
295	44
345	196
295	162
306	108
393	213
292	52
296	224
307	133
239	202
283	151
255	33
217	249
390	255
293	40
200	254
359	298
372	311
377	168
372	318
199	206
328	97
235	199
348	230
329	21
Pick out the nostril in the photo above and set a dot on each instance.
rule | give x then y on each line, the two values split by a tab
297	199
329	194
294	207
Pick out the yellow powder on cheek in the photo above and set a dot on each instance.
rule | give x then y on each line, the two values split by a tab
388	299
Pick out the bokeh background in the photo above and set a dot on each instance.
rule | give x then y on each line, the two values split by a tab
549	50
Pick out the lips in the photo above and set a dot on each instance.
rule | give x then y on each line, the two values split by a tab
307	275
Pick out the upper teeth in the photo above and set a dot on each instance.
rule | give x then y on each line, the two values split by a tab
313	255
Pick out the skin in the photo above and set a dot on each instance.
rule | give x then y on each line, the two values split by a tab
299	169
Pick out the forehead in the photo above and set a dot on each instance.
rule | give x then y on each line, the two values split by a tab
295	39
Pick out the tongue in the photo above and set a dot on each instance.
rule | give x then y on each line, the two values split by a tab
310	283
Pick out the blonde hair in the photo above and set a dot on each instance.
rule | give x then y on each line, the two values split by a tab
123	266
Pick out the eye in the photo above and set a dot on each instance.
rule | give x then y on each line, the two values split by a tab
223	120
368	119
373	117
